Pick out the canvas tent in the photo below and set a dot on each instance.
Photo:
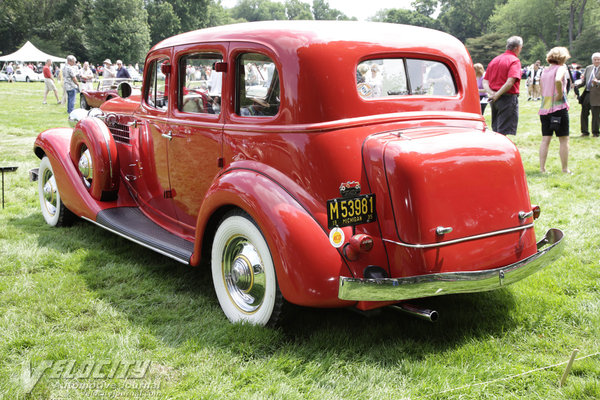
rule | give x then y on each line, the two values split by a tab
30	53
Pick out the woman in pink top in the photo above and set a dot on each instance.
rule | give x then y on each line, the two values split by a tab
554	110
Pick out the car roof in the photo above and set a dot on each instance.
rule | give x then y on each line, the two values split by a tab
296	34
317	63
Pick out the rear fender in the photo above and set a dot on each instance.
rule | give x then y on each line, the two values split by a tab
307	266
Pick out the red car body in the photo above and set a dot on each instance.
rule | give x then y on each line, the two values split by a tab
363	201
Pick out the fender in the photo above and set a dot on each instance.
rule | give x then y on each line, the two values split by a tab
307	266
54	143
91	133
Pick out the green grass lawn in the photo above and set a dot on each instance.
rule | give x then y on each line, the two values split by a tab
84	295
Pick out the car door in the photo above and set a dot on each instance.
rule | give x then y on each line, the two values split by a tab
148	175
196	123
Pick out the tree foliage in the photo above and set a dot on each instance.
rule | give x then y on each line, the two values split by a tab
407	17
96	29
322	11
120	30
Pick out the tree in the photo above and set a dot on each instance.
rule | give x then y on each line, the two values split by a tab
322	11
484	48
408	17
118	29
258	10
296	9
193	14
467	18
425	7
56	27
162	21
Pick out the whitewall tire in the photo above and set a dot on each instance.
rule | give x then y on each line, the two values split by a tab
243	272
54	211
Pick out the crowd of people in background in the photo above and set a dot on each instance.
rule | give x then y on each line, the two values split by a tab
500	85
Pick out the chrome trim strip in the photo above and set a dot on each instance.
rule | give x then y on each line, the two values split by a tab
465	239
413	287
164	253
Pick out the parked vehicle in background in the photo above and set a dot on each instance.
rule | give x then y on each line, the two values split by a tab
325	164
26	74
104	91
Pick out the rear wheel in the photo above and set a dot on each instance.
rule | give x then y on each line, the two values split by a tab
243	272
54	211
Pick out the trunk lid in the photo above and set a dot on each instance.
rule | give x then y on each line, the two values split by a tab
469	180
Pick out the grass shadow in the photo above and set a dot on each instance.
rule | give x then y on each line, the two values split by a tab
176	304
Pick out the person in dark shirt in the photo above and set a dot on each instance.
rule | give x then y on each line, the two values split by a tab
122	72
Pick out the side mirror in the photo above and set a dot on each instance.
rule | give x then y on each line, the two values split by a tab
124	90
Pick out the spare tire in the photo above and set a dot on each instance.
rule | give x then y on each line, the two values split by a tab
94	153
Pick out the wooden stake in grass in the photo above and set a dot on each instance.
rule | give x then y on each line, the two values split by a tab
568	369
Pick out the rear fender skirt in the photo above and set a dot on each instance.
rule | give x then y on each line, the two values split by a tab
93	134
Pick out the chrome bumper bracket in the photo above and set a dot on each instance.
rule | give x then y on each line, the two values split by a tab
413	287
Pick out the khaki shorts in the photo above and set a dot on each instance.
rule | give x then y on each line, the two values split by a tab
50	84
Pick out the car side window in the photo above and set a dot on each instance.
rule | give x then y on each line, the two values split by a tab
257	86
386	77
157	95
199	83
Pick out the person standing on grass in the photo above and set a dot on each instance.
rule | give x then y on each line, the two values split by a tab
71	83
49	80
590	98
502	79
554	110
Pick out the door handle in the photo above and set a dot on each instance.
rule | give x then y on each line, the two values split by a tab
168	135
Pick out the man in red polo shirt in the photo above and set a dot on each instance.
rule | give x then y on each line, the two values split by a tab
47	71
501	81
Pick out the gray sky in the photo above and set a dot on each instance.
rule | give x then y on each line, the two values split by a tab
361	9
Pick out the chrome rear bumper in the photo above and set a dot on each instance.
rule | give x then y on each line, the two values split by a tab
413	287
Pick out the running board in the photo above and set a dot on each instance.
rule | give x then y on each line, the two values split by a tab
132	224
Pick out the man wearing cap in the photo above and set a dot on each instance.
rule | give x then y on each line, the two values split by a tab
108	74
501	82
590	98
122	72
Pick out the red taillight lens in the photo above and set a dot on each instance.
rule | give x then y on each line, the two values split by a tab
536	211
360	243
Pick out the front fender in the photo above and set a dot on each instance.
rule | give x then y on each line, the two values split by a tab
307	266
55	143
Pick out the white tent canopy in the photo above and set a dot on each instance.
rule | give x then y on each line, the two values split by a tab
30	53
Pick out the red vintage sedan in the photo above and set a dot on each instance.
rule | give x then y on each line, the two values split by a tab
324	164
105	90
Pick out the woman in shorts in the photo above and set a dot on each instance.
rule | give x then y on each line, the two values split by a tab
554	110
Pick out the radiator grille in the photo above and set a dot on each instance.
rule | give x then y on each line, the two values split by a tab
120	132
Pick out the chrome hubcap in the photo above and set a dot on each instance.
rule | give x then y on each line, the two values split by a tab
49	192
86	167
244	274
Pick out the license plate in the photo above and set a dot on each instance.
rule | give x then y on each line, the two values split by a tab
351	211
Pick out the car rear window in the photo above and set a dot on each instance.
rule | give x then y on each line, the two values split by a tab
257	86
387	77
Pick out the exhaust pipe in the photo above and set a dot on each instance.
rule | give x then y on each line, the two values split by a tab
423	313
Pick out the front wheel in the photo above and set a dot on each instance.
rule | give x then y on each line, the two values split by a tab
54	211
83	102
243	273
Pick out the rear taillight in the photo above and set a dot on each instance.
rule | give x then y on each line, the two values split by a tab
357	244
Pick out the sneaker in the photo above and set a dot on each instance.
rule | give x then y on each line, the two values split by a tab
43	102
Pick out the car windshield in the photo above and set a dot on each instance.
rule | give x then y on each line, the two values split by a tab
402	77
